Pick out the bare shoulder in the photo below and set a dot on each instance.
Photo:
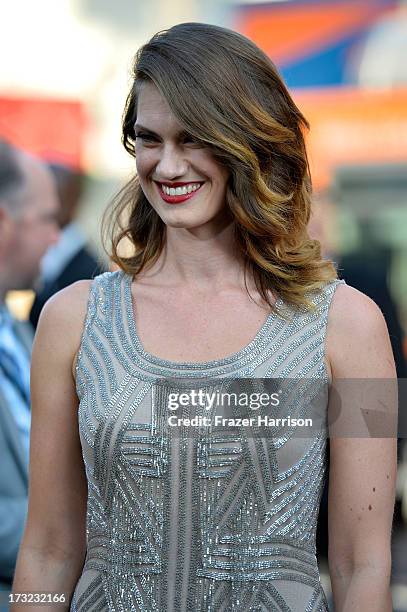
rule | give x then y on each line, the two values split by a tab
352	308
62	319
357	342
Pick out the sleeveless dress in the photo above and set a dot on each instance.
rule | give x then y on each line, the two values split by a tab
182	523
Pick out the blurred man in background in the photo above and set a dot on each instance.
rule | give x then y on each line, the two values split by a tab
70	259
29	210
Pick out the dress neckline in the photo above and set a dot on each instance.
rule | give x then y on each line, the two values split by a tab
228	360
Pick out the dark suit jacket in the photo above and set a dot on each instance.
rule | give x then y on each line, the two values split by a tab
13	475
83	265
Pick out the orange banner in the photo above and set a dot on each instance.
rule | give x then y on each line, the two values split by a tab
350	125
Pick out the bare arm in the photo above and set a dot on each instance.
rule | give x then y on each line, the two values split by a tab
52	551
362	470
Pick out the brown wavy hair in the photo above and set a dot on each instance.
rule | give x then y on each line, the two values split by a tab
228	95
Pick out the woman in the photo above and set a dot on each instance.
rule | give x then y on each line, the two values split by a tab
221	260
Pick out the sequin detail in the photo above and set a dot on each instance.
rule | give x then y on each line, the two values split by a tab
214	523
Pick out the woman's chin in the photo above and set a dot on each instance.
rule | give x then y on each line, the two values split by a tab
180	221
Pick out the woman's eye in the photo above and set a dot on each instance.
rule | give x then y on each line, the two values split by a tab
190	140
145	137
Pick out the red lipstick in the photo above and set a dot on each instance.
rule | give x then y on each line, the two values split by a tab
177	199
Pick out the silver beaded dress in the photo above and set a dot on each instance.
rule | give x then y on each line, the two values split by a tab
225	523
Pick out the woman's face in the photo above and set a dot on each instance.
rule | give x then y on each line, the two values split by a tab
180	178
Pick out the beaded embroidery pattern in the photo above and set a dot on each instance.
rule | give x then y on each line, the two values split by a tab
181	523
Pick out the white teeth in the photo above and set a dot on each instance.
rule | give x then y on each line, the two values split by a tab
172	191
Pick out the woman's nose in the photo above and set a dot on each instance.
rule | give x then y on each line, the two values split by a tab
172	164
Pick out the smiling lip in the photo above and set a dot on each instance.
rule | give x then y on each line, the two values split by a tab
177	199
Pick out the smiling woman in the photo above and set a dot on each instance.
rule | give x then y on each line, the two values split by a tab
220	108
223	287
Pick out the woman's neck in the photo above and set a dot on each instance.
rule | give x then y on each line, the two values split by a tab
198	258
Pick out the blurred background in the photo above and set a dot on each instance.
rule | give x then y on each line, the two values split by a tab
65	76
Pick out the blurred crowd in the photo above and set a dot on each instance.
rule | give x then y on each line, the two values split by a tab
42	248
